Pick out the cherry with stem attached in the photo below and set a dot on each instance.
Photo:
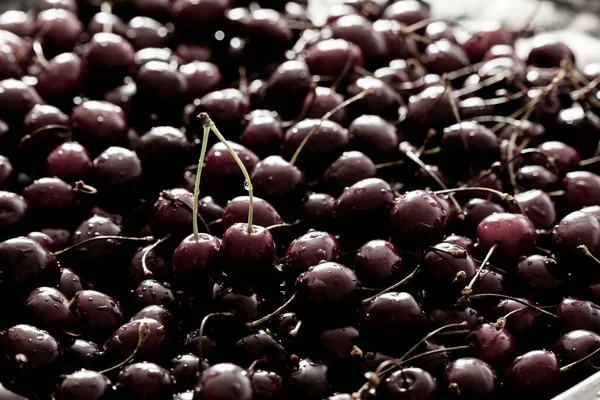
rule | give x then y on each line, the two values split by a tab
143	333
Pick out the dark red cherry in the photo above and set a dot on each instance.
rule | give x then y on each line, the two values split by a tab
329	57
484	39
151	292
263	134
224	382
538	207
390	316
574	230
116	170
538	272
80	354
99	315
69	161
247	306
278	182
202	77
144	380
27	265
408	383
7	172
267	25
222	173
15	211
18	22
198	18
431	108
582	189
42	350
84	384
309	380
69	283
125	340
236	211
48	309
514	235
495	346
290	81
442	317
99	124
549	53
161	89
152	54
382	100
227	108
61	30
374	136
158	313
50	196
359	30
575	345
260	345
16	100
575	314
190	52
195	262
476	210
407	12
469	378
309	250
417	220
366	204
327	289
534	373
143	32
564	156
440	30
490	281
62	79
266	385
109	59
185	369
350	168
43	239
444	267
444	56
169	215
321	101
318	209
461	241
535	177
379	264
336	345
163	148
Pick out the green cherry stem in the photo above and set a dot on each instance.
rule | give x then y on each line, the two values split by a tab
208	123
197	183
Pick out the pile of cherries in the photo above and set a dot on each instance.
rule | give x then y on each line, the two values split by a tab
220	200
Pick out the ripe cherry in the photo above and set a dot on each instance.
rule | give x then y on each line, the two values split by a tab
309	380
535	373
469	378
582	189
223	382
446	268
321	101
538	207
144	380
263	134
309	250
99	315
260	345
374	136
221	173
236	211
186	369
513	234
547	53
575	345
195	262
318	209
84	384
126	340
81	354
330	57
42	350
109	59
496	346
411	382
99	124
278	182
379	264
350	168
575	314
290	81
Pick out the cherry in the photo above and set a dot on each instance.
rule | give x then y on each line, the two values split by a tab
222	173
575	314
151	54
379	264
446	268
69	283
246	306
266	385
18	22
84	384
7	172
267	25
15	211
535	177
393	315
224	382
444	56
417	219
69	161
50	197
185	369
490	281
61	30
163	151
309	250
327	289
350	168
151	292
318	209
358	30
190	52
409	383
263	134
496	346
565	157
380	100
290	81
27	265
374	136
158	313
332	56
144	380
443	317
575	345
396	78
48	309
43	239
61	79
309	380
513	234
16	100
461	241
279	182
536	372
469	378
429	109
172	213
99	315
202	77
227	108
109	59
260	345
337	345
42	350
195	261
126	340
538	272
236	211
538	207
145	32
99	124
194	19
80	354
323	99
546	53
582	189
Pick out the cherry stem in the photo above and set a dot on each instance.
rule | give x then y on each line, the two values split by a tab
467	290
126	238
207	122
143	333
501	322
343	74
512	142
389	164
283	225
216	221
368	387
147	251
556	193
504	196
515	299
574	364
468	70
294	332
584	249
305	107
397	363
45	128
402	282
243	83
497	78
201	332
106	7
170	197
271	315
81	187
429	336
255	363
448	90
325	117
197	183
589	161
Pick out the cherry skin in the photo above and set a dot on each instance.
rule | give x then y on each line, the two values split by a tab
575	345
145	32
278	182
223	382
99	124
290	81
69	161
245	255
321	101
62	79
310	249
564	156
144	380
227	108
336	345
549	54
539	272
318	209
536	372
69	283
202	78
15	211
45	240
309	380
535	177
409	383
350	168
195	262
84	384
47	308
469	378
374	136
442	317
16	100
190	52
538	207
42	351
198	18
163	152
266	385
485	39
514	235
18	22
379	264
236	211
444	56
63	30
359	30
444	267
461	241
158	313
125	340
263	134
421	117
496	347
151	292
185	369
50	196
169	216
221	173
7	172
575	314
582	189
109	58
98	314
381	100
260	344
417	219
393	315
327	289
329	57
407	12
106	21
81	354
